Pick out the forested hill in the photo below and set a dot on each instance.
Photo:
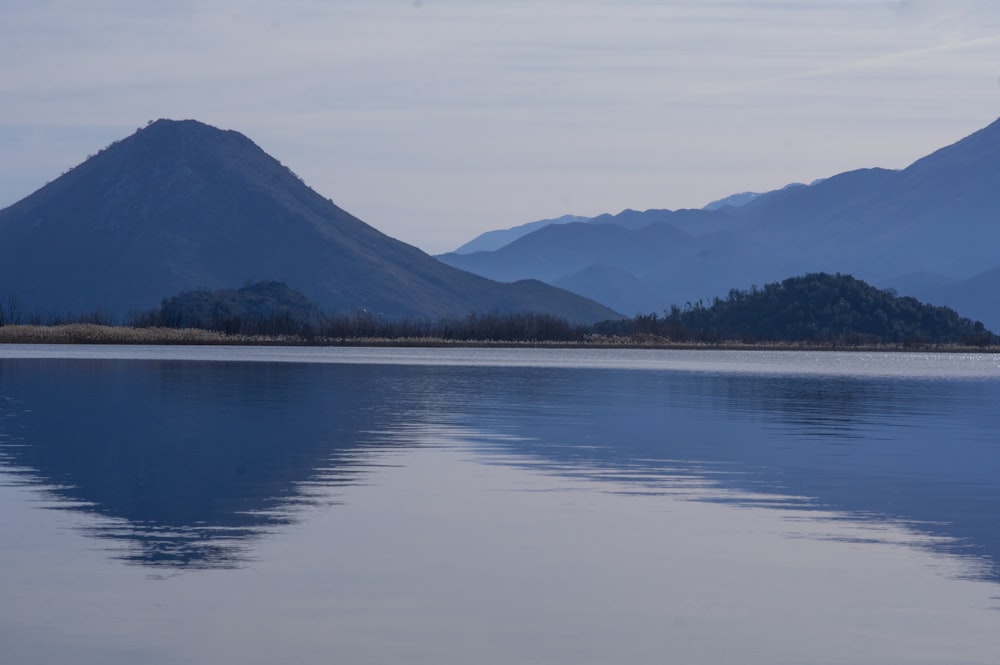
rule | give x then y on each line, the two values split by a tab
261	308
818	307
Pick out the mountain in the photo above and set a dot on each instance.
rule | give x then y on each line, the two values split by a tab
608	283
181	206
630	219
937	218
977	297
559	250
735	200
742	198
486	242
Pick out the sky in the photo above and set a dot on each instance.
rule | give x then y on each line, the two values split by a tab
437	120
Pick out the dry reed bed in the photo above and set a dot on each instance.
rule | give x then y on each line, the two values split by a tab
85	333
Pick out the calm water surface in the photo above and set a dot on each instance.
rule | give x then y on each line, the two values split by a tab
261	505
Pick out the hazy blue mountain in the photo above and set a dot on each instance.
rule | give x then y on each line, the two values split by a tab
939	217
609	283
630	219
734	200
487	242
634	219
562	249
494	240
742	198
181	206
917	283
977	297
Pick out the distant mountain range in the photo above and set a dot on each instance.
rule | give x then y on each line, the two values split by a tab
181	206
491	240
931	230
496	239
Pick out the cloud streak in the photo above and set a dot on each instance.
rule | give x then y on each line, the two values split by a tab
886	61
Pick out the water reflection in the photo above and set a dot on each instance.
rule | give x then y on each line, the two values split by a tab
189	463
917	451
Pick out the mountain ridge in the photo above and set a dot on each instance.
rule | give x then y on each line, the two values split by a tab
939	215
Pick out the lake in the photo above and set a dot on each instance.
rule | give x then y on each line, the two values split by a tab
322	505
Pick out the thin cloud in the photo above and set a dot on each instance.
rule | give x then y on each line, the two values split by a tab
882	61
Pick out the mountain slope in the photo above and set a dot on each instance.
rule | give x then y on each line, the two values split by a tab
940	216
181	205
977	297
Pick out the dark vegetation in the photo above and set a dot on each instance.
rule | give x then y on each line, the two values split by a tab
263	308
817	309
274	309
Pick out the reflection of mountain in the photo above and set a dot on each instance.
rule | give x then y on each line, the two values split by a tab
920	451
188	460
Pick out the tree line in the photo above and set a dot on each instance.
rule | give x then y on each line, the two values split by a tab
817	308
274	309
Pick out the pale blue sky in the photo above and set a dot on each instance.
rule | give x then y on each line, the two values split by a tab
437	120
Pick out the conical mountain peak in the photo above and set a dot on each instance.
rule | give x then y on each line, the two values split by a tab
180	205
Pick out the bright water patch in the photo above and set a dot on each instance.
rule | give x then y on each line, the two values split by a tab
824	363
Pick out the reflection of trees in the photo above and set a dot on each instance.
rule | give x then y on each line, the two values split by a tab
188	460
831	406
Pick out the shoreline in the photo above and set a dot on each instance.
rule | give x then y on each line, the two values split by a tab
85	333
